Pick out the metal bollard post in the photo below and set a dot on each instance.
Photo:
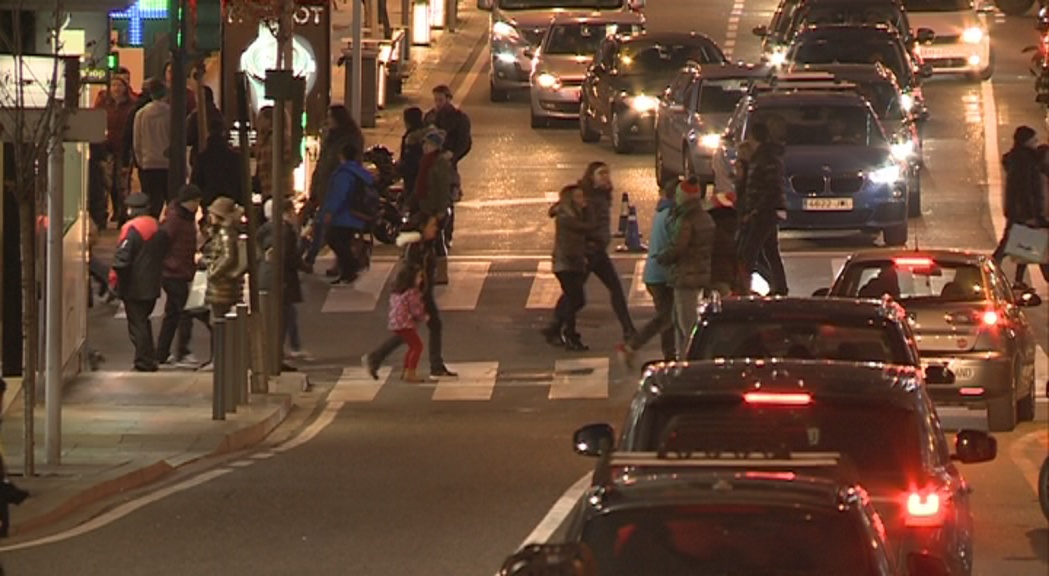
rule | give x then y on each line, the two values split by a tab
244	352
218	368
229	346
260	379
238	361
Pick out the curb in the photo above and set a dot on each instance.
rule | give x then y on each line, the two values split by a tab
143	476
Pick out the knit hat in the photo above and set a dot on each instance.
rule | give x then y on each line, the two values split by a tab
225	208
1023	134
435	137
137	200
189	192
688	190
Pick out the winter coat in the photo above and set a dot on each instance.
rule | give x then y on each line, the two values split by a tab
411	156
264	166
1023	200
456	126
422	255
193	128
723	262
152	136
328	160
406	310
217	172
292	283
573	230
139	258
220	255
764	192
599	202
656	273
349	180
118	115
129	129
181	230
691	244
437	187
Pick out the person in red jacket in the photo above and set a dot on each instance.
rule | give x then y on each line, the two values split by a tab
177	277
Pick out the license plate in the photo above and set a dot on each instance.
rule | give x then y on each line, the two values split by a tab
963	373
827	204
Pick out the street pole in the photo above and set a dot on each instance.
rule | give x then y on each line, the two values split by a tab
177	98
357	60
285	33
55	228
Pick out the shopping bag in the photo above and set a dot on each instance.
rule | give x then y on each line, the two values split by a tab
197	290
1028	245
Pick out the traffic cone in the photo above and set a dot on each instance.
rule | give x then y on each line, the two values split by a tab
633	235
624	215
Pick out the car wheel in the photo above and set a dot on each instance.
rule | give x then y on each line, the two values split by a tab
620	145
1001	413
1024	406
539	121
914	197
663	174
586	132
986	73
687	169
1043	488
497	94
1014	7
896	235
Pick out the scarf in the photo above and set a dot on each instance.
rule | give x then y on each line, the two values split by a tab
425	165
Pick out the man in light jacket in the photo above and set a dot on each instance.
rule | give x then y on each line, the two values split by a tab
151	140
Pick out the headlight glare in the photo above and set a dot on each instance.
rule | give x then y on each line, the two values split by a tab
643	103
906	102
503	29
972	35
902	150
506	57
547	80
778	58
885	175
710	141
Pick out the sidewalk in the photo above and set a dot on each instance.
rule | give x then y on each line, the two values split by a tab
123	430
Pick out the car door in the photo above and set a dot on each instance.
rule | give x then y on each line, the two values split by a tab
595	81
604	90
1006	304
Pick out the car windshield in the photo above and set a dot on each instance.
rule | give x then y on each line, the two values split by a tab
913	278
730	538
884	99
880	440
819	125
851	13
801	337
937	5
659	60
721	96
551	4
841	49
582	39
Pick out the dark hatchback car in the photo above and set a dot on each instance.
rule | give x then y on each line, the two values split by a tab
620	94
878	418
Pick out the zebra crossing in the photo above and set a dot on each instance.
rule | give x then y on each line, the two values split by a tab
582	378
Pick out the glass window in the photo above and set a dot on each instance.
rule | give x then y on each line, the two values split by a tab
938	5
721	96
843	50
922	279
638	59
821	125
550	4
853	14
679	87
582	39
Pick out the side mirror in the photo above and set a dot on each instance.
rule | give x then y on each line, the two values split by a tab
569	558
925	70
938	374
821	293
485	5
761	31
974	446
593	440
1027	298
924	565
925	35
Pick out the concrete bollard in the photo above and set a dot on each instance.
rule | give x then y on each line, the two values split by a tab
230	349
243	321
218	369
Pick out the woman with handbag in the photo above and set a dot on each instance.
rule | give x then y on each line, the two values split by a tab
1024	202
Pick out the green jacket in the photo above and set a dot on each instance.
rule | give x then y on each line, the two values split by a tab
689	252
438	187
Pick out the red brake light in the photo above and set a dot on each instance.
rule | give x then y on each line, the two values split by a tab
924	509
989	318
786	399
911	262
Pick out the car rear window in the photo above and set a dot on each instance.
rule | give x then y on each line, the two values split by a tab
819	124
880	440
800	338
663	59
851	13
728	539
721	96
909	279
843	50
583	39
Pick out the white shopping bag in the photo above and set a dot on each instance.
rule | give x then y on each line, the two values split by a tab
197	291
1028	245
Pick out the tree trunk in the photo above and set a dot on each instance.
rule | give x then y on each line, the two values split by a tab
30	323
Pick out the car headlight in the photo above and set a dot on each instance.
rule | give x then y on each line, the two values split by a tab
547	80
503	30
710	141
506	57
906	102
778	57
972	35
885	175
902	150
643	103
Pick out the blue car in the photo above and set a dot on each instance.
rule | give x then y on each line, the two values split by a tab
840	170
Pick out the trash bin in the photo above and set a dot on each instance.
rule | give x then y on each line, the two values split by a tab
369	83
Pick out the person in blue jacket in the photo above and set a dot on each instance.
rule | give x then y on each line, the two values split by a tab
656	278
344	214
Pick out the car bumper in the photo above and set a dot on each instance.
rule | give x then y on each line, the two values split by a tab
638	126
874	207
958	57
977	378
510	69
560	103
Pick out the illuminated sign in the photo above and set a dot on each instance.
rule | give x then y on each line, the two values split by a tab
137	14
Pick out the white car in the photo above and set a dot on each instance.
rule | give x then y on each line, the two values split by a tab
962	42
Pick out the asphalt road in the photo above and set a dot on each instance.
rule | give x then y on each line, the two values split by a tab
405	482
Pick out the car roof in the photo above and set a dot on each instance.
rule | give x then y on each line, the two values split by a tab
829	379
959	257
672	38
614	17
858	3
728	70
848	31
792	96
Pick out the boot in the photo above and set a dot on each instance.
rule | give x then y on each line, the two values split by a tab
574	343
411	376
552	334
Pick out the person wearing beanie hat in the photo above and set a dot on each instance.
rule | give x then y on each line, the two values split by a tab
179	225
221	256
724	264
1024	202
688	255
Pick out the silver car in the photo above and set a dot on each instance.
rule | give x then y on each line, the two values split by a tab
561	63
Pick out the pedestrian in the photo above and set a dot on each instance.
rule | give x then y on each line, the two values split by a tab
657	283
264	157
432	196
119	104
217	170
137	265
340	130
406	310
221	256
9	493
688	256
191	96
152	142
212	116
597	185
97	187
458	142
574	229
342	215
127	156
96	270
765	205
292	293
411	147
180	226
724	264
1024	201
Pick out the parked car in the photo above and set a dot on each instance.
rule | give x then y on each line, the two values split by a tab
962	44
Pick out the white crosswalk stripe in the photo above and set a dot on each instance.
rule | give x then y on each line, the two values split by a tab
638	297
361	296
580	378
545	288
465	282
476	381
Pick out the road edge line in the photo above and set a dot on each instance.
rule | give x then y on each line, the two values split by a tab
558	512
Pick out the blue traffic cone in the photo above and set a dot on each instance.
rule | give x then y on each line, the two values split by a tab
624	215
633	235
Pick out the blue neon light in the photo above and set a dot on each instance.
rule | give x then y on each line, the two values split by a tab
137	14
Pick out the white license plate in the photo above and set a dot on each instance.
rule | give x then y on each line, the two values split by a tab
963	373
827	204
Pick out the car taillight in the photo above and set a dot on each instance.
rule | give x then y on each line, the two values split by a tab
912	262
786	398
924	509
989	318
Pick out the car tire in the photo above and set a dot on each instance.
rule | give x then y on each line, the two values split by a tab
1001	414
1025	405
1043	488
620	145
914	198
586	132
687	169
1014	7
896	235
663	174
497	94
539	121
986	73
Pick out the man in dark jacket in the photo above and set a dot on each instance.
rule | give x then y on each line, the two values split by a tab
212	118
217	170
597	185
1024	202
180	227
765	203
137	265
458	142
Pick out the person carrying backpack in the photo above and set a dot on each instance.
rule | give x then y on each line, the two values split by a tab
349	207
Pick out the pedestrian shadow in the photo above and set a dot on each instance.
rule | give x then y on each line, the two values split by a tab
1038	538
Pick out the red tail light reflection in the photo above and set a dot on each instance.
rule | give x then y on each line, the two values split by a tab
989	318
911	262
786	399
924	509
